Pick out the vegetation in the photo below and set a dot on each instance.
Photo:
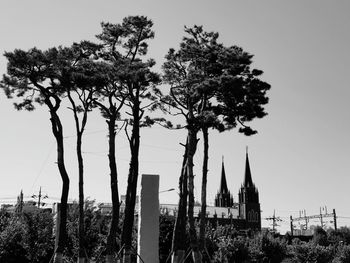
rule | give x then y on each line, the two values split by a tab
28	237
211	86
41	77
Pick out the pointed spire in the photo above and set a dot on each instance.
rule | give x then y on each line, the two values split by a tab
248	182
223	183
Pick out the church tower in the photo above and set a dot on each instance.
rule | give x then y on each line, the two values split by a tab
223	198
249	206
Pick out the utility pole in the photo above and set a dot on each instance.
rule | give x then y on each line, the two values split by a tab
39	198
291	226
274	221
321	216
335	220
19	205
306	219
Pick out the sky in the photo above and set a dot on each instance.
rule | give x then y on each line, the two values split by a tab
300	157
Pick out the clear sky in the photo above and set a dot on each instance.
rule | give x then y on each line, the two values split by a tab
300	157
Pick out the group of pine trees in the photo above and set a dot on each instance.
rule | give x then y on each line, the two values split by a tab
208	84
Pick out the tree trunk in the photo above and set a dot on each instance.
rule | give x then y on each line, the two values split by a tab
204	190
192	146
81	228
111	246
61	233
58	257
179	233
79	131
132	186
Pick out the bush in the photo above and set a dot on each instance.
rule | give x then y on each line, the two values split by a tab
166	226
27	238
266	248
342	235
342	255
12	245
310	252
320	237
231	250
96	230
39	239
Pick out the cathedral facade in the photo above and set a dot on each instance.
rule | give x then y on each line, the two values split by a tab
245	214
242	215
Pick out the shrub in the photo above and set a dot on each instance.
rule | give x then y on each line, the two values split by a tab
166	226
310	252
320	237
231	250
342	255
267	248
12	245
39	240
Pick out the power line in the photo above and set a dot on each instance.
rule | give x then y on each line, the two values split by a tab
274	220
43	165
306	218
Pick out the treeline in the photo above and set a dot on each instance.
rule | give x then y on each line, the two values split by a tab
28	237
204	83
324	247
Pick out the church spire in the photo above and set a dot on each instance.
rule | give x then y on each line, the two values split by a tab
223	198
248	182
223	183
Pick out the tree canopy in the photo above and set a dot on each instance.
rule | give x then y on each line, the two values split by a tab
210	85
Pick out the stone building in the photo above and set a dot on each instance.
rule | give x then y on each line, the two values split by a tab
248	206
242	215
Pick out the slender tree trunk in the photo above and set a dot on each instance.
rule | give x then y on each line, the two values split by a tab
204	190
61	233
80	130
111	246
132	186
81	227
179	233
192	146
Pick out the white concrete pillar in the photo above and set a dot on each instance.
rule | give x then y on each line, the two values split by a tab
148	221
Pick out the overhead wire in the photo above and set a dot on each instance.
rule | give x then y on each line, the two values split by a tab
43	165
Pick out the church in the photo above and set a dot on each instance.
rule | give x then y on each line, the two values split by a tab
245	214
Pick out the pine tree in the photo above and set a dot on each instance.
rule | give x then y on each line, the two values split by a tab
212	86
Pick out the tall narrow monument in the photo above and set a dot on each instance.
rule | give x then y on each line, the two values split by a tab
148	221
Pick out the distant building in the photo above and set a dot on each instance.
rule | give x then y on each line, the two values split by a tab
243	215
106	208
26	207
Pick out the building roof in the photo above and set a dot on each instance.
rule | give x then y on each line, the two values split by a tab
223	183
248	182
212	211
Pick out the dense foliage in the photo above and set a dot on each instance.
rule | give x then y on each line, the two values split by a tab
28	237
266	247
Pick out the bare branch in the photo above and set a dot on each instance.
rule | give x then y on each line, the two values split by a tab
174	97
103	107
142	113
124	123
168	127
126	131
146	106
